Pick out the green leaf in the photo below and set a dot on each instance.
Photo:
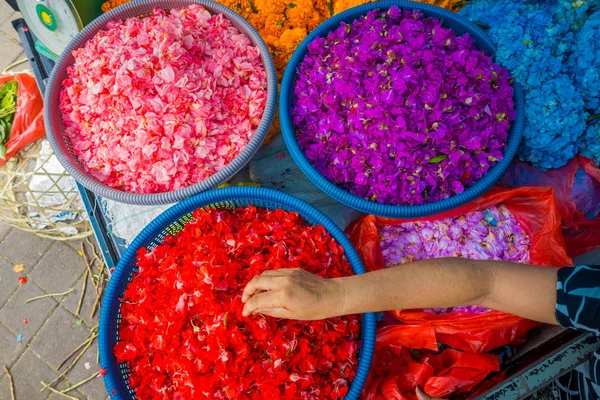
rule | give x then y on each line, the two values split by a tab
8	129
9	88
225	319
195	328
253	7
482	25
292	5
280	23
8	114
593	117
78	322
8	107
2	151
438	159
330	8
4	131
5	128
9	101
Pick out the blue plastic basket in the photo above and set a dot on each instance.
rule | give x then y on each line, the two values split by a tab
61	144
458	24
172	221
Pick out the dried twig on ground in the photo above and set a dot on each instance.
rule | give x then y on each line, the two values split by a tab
89	265
78	384
70	367
101	286
58	392
49	295
83	289
75	351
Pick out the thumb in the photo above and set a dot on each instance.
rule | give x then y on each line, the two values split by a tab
421	395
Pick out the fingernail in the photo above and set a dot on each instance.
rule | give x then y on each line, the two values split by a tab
421	395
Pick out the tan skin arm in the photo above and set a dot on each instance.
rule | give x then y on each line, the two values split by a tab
523	290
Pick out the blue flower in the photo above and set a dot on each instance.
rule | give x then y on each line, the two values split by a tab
534	41
554	123
584	62
570	15
590	143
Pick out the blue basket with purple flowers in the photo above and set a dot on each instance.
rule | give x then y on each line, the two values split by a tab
395	108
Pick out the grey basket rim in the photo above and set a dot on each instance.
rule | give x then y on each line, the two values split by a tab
53	120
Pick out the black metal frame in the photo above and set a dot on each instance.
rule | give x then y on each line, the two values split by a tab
13	4
42	67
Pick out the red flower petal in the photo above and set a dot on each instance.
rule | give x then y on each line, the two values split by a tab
183	335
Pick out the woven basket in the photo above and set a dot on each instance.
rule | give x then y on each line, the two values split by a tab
172	221
37	195
62	146
458	24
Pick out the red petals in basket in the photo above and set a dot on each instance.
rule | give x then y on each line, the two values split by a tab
183	335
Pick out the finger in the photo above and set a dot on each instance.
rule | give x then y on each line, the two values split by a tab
257	283
421	395
263	300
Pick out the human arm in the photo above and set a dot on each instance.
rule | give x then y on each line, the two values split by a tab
523	290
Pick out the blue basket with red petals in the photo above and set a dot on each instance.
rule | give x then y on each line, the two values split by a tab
456	23
173	220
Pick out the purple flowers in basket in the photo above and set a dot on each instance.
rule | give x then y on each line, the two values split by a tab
397	109
491	234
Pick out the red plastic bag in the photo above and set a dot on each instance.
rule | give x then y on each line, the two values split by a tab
577	190
584	238
396	372
576	187
398	336
28	124
458	372
536	211
585	235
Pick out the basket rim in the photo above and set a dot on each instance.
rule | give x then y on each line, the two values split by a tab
111	301
55	127
388	210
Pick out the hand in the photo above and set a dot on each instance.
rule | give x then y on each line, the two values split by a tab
293	294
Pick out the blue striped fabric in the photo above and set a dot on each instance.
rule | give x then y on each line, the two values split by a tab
578	307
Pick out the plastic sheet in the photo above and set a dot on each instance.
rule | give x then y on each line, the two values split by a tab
577	190
576	187
273	167
536	211
397	371
28	124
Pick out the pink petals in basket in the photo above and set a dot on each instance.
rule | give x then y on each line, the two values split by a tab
163	102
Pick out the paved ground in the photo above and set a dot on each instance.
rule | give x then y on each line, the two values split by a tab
10	48
33	349
36	337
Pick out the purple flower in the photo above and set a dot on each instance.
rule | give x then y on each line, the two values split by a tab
397	109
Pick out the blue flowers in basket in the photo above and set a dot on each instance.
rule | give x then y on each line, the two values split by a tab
552	48
584	62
